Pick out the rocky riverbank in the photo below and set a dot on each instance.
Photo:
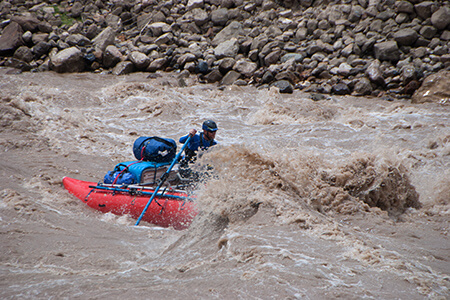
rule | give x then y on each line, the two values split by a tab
360	47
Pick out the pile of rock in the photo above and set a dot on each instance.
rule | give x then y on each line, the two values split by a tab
360	47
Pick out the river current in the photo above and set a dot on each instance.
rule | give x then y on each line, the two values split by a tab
313	197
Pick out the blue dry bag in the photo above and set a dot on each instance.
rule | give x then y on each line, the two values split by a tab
123	177
155	149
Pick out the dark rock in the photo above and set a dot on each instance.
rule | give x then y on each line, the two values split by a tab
267	77
123	68
24	53
11	39
28	23
40	49
214	76
387	51
17	64
406	37
341	89
284	86
362	87
226	64
202	67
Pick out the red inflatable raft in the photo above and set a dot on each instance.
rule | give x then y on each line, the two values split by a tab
172	209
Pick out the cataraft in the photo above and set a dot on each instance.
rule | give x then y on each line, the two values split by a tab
149	189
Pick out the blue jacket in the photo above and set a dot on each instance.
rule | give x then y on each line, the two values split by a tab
198	141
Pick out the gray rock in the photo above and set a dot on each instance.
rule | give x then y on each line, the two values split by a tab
114	22
17	64
245	67
231	31
40	49
11	39
24	53
230	78
140	60
194	4
423	9
404	7
441	18
428	31
284	86
185	58
157	64
122	68
166	39
67	61
214	76
200	16
226	64
362	87
297	57
219	17
272	57
229	48
374	73
111	56
28	23
159	28
387	51
406	37
408	73
104	39
77	40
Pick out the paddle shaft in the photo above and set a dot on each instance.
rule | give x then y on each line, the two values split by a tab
163	179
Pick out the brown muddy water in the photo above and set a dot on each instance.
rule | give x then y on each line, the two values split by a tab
338	198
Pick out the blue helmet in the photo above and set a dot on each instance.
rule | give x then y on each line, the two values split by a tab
209	125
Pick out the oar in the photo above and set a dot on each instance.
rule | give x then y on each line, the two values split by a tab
163	179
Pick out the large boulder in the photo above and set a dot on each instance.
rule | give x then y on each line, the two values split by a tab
231	31
67	61
11	39
406	37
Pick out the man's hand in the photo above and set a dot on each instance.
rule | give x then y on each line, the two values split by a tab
192	132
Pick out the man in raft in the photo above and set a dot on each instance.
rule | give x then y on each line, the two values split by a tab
202	140
199	141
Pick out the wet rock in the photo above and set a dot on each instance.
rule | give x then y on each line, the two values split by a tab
434	89
157	64
214	76
123	68
362	87
230	78
17	64
341	89
11	39
67	61
284	86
